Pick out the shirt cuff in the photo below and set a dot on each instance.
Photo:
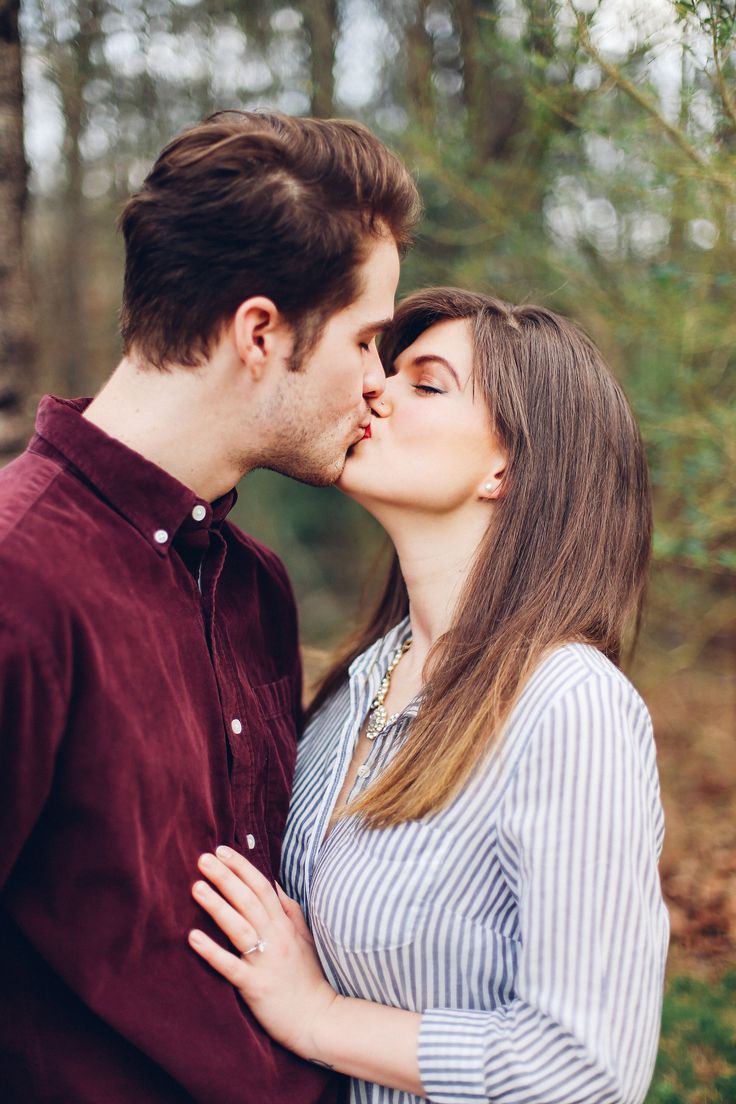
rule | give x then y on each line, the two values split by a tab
452	1047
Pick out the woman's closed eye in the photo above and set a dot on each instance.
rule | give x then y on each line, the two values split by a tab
427	389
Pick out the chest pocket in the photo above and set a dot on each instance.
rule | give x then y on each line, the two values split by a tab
372	888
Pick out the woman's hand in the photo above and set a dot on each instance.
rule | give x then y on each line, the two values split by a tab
278	972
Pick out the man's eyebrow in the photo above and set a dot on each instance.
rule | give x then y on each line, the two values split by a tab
375	328
433	358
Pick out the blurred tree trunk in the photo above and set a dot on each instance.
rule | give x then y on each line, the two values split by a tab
420	61
680	191
75	70
495	93
320	21
495	98
503	123
16	346
473	68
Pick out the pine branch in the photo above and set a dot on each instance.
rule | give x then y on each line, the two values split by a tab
675	134
728	103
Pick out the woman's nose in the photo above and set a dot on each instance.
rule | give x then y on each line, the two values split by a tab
381	405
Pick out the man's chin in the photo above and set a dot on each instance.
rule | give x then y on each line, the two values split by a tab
312	475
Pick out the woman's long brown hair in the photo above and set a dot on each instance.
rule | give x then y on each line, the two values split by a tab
565	560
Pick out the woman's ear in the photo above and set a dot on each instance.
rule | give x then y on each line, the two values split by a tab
492	490
494	486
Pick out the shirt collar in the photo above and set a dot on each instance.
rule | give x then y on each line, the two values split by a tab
380	650
155	503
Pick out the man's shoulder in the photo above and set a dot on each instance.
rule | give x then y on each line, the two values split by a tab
47	507
24	484
33	519
41	535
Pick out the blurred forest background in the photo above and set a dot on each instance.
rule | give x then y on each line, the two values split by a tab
581	155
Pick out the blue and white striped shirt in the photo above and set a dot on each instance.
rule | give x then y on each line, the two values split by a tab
524	920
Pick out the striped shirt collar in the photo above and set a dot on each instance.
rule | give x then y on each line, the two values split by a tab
380	650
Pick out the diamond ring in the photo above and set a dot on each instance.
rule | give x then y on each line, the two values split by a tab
259	946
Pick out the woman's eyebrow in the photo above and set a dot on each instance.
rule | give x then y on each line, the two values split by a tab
433	358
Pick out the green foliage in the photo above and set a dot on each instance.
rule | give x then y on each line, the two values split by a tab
716	17
553	168
620	213
696	1063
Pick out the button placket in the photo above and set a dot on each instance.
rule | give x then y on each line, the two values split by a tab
234	717
363	687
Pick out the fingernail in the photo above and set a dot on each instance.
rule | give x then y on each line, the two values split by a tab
207	861
199	888
224	852
196	938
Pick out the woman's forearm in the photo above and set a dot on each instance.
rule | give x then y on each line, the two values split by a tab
371	1042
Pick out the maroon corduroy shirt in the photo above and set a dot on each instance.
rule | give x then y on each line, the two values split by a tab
149	697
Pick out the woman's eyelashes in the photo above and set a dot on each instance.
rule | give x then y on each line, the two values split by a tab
413	379
427	389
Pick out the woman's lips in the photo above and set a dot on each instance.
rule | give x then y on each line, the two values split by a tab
367	434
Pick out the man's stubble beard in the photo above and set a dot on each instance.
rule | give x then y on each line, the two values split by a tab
295	456
305	467
293	449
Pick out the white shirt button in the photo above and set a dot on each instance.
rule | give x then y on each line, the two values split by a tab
363	771
251	841
160	536
199	513
236	725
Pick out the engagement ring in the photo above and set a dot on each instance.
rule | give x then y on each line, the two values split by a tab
259	946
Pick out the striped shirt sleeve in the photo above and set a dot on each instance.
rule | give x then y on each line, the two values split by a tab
579	833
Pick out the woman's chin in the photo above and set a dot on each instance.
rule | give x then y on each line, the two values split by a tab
345	483
369	489
348	481
353	487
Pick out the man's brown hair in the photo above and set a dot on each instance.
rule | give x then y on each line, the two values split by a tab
249	203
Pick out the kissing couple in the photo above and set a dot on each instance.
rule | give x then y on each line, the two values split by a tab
440	882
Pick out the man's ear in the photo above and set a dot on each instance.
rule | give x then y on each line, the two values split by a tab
260	334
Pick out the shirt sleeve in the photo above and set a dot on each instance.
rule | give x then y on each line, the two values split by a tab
31	727
579	833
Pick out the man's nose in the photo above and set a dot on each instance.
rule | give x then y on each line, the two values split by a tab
374	377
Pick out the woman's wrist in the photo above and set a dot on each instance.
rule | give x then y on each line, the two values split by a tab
372	1042
322	1029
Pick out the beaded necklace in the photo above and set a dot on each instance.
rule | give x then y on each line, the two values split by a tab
378	718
